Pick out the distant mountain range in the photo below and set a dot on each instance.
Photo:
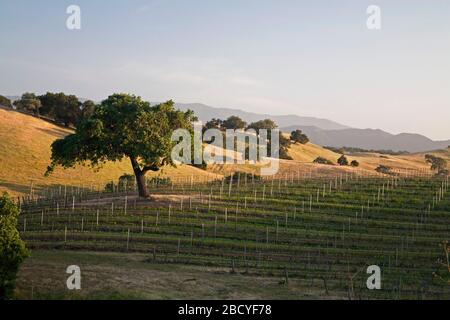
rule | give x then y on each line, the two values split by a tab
374	139
206	113
326	132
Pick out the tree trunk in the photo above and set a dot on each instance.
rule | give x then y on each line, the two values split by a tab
140	180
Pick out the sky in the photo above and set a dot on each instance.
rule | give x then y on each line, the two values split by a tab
310	58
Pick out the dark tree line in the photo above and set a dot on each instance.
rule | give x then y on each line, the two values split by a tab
236	123
5	102
64	109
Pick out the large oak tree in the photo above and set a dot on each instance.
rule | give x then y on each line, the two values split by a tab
123	126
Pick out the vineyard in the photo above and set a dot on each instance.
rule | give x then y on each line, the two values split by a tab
320	231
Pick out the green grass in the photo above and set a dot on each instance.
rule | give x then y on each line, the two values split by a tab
315	239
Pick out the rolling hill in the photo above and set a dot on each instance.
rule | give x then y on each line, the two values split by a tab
323	132
25	154
367	160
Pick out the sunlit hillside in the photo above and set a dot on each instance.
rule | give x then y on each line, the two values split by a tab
25	154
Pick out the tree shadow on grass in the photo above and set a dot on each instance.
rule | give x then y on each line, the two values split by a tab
14	187
55	132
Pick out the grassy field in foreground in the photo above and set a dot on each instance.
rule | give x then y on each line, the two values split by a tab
107	275
318	234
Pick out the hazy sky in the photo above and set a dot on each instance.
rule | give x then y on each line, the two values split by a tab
314	58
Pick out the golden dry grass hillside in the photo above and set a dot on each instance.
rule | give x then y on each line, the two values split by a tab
368	161
25	154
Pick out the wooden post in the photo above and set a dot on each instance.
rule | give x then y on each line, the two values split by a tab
209	202
128	239
276	233
286	221
169	213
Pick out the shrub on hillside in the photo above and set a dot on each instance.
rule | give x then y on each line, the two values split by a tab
354	163
322	160
12	248
242	176
385	170
125	182
299	137
342	161
160	181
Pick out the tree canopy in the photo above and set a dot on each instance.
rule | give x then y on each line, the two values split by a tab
342	161
5	102
63	108
437	164
234	122
123	126
299	137
213	124
267	124
29	103
87	108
